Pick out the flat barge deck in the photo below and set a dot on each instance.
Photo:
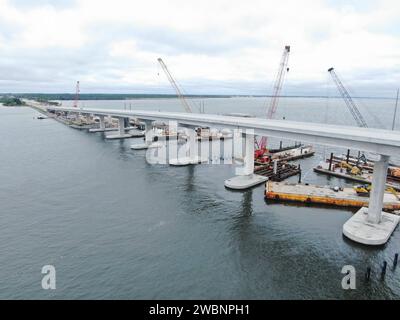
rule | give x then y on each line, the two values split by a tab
364	178
305	193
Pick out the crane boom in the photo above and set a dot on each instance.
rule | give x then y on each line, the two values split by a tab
279	82
175	86
76	99
348	100
283	69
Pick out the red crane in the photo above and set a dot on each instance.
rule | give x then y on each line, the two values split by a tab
261	143
76	99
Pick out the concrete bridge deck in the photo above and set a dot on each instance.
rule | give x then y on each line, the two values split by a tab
363	226
365	139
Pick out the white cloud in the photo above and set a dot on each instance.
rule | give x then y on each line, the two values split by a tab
206	44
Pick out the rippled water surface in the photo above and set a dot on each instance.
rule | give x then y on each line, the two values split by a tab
117	227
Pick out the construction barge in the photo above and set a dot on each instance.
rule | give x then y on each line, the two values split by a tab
278	171
352	173
324	195
286	154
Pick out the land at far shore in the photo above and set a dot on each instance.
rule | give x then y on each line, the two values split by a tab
9	101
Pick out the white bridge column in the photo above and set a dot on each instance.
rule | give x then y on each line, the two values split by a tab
122	134
121	126
237	145
245	177
248	165
371	225
148	138
378	189
102	123
193	149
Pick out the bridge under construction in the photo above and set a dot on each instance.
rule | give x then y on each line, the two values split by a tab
368	226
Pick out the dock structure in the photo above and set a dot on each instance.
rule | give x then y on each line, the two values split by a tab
361	227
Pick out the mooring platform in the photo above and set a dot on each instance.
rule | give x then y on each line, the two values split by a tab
184	161
245	181
110	129
131	134
119	136
359	229
143	146
103	130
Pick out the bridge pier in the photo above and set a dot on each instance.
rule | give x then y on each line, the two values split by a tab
245	176
102	126
192	154
102	123
371	225
148	138
123	126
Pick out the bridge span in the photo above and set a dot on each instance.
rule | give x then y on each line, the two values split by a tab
369	225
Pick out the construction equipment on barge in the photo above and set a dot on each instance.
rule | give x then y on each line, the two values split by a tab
299	152
324	195
346	170
367	165
278	170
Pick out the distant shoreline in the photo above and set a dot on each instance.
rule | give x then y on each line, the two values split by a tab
122	96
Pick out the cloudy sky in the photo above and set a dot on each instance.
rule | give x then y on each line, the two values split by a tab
210	46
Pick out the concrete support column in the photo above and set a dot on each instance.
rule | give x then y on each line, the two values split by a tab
249	155
121	126
245	177
378	189
102	123
148	132
371	225
227	152
237	145
193	152
148	139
